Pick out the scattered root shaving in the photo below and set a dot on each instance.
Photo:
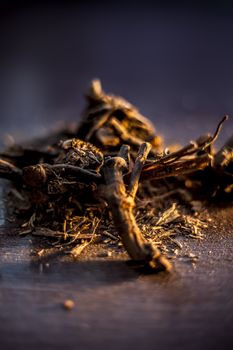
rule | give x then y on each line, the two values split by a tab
171	227
166	229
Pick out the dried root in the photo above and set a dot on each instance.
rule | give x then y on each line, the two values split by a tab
121	203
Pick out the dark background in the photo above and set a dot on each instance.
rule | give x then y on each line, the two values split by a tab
172	59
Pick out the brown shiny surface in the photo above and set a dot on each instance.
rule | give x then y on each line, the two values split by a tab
115	306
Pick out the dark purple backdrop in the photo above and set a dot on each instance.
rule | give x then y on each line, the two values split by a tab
172	59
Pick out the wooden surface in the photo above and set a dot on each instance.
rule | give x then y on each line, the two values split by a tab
115	306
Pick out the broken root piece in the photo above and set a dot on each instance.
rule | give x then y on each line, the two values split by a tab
121	201
9	171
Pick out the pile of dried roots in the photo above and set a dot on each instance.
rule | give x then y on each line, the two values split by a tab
110	179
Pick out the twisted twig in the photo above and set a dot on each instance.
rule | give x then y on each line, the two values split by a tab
121	203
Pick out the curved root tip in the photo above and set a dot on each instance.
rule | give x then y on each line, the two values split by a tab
160	263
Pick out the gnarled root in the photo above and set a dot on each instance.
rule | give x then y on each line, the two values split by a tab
121	200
